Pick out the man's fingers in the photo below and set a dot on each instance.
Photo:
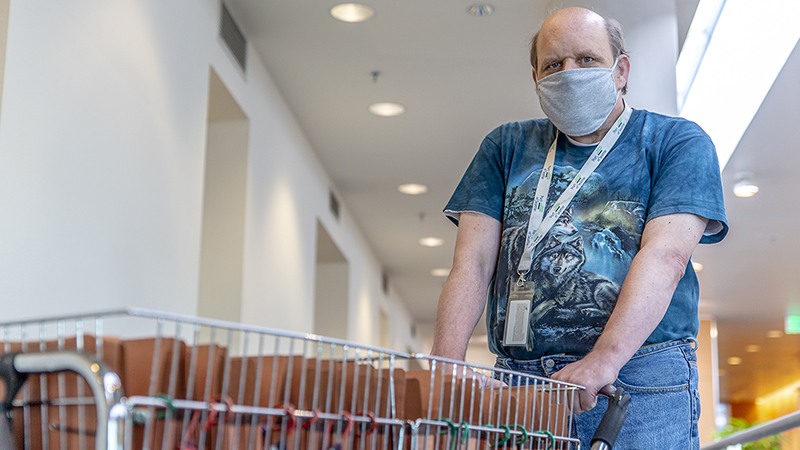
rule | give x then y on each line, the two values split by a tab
588	402
492	383
608	390
584	402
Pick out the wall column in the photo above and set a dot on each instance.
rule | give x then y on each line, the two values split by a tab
708	369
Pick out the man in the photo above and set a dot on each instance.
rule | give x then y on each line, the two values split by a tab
589	283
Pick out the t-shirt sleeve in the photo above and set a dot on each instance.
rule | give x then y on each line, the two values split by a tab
687	179
482	187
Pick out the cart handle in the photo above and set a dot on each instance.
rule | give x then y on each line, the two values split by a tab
105	385
608	430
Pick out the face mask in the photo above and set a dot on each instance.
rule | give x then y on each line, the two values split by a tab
578	101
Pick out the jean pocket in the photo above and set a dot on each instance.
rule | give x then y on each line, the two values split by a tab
663	371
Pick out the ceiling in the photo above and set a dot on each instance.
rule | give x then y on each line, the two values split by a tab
459	76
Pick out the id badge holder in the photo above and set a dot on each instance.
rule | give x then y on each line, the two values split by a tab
518	315
517	319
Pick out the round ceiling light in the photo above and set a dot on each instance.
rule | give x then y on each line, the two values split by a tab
697	266
352	12
431	242
774	334
441	272
745	189
412	188
387	109
744	186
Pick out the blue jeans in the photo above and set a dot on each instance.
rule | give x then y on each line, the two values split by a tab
665	403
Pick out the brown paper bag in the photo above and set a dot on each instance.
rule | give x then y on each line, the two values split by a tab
432	396
140	357
336	388
268	392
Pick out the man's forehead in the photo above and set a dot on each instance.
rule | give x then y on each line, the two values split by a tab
571	21
578	29
574	16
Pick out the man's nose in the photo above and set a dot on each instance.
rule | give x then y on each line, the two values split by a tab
569	64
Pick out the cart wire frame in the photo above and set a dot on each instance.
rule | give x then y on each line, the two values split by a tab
213	384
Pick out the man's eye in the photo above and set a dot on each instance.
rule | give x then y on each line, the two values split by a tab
554	66
587	59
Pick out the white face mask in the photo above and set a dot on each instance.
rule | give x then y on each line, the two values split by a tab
578	101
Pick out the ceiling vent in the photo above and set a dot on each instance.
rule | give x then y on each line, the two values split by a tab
233	37
333	204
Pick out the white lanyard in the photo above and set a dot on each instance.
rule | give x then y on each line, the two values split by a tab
539	223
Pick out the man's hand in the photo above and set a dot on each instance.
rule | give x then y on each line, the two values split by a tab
464	372
595	375
482	380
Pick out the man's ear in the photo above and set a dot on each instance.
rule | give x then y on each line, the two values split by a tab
533	71
622	71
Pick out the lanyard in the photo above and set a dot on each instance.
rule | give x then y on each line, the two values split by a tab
540	223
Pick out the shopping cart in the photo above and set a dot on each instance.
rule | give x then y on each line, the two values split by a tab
169	381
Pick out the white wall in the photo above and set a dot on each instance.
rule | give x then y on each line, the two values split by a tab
101	155
4	4
102	148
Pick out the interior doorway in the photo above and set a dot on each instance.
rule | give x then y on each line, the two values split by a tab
384	338
331	287
224	199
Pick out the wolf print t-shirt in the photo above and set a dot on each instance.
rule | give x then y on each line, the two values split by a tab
660	165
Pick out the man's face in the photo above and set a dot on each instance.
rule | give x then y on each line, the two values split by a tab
572	39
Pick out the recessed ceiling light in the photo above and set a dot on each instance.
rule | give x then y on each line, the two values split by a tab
774	334
387	109
431	242
752	348
441	272
412	188
734	361
745	188
352	12
481	9
697	266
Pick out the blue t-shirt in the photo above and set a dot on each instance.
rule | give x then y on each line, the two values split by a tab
660	165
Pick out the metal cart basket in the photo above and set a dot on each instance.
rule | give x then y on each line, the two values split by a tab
144	379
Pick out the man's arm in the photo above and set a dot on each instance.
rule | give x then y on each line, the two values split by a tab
667	244
463	297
